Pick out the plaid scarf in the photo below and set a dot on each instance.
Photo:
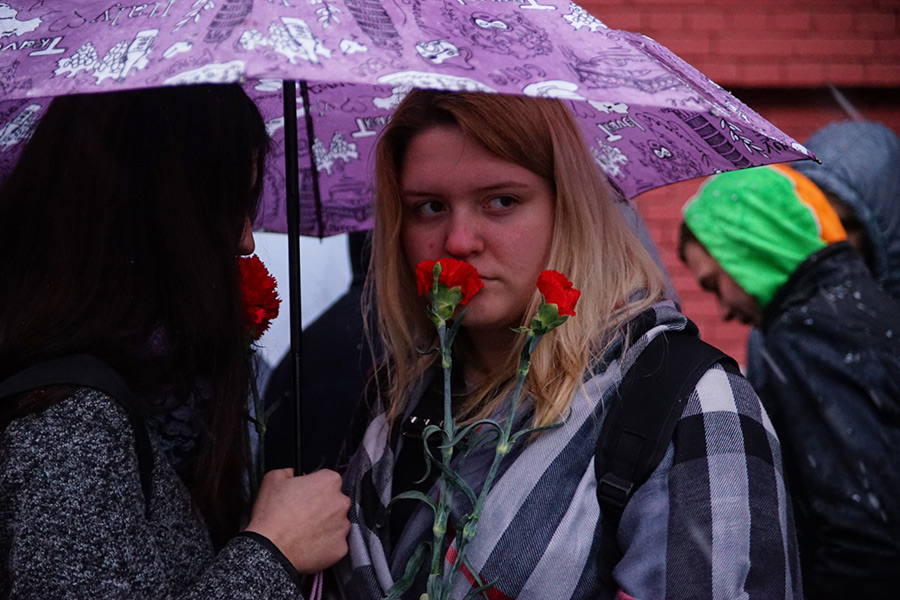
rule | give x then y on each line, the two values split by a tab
538	536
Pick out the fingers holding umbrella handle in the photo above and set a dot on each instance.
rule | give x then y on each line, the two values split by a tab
305	517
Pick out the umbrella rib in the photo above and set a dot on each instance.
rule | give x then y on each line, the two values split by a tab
310	142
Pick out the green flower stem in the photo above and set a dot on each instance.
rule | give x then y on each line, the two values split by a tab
503	447
260	425
444	303
442	514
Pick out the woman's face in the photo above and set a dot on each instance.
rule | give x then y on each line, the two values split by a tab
461	201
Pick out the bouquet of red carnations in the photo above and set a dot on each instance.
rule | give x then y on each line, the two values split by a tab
451	284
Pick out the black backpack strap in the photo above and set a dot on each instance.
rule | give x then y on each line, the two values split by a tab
637	430
84	370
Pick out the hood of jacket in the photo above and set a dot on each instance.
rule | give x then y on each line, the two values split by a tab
760	223
861	166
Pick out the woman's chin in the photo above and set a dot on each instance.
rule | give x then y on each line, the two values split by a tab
478	322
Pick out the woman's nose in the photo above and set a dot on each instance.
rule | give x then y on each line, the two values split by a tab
246	245
463	238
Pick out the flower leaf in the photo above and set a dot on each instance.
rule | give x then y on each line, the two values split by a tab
457	481
482	586
409	575
519	434
414	495
271	409
451	334
547	319
490	425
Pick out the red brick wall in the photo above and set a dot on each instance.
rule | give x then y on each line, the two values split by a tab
779	57
785	43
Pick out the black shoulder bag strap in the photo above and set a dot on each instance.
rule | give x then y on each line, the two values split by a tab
637	430
85	370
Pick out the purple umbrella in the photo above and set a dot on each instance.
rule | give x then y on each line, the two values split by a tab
648	117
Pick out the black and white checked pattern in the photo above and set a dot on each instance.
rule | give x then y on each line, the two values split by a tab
712	522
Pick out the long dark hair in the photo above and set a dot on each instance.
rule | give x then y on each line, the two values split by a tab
120	226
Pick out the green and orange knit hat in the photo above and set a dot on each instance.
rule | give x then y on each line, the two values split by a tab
759	224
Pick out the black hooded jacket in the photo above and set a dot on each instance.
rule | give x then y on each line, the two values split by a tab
829	376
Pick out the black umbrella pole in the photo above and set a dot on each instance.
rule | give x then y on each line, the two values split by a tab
292	192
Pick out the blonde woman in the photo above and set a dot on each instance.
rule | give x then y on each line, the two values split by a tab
506	184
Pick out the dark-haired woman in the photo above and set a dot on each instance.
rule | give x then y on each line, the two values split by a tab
122	224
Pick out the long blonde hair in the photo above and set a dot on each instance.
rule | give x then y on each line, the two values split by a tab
591	243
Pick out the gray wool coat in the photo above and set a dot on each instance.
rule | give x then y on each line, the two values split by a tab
73	521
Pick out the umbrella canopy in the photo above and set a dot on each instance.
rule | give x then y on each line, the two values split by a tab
649	118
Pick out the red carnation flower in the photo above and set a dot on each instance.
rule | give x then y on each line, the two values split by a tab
454	273
259	296
558	290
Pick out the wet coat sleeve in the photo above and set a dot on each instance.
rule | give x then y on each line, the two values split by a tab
73	522
713	521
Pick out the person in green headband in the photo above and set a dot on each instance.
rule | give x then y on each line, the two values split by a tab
772	249
751	229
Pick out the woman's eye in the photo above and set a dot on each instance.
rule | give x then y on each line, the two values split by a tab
503	202
429	208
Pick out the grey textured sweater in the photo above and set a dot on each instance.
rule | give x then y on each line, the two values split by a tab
73	522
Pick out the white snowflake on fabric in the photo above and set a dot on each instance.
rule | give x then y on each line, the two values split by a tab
293	39
610	158
579	18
